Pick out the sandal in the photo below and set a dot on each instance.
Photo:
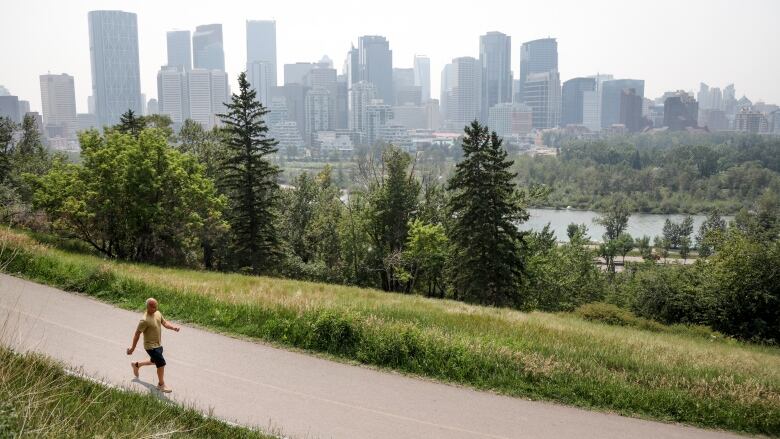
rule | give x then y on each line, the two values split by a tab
135	368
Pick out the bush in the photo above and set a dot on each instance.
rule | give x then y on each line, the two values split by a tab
671	295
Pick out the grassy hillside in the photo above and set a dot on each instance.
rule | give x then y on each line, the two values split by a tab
38	399
670	375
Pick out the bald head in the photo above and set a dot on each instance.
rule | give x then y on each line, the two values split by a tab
151	305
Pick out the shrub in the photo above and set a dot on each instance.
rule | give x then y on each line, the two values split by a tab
671	295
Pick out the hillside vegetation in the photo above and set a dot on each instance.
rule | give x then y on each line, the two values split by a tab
653	371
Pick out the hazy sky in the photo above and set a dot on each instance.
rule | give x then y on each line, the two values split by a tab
670	44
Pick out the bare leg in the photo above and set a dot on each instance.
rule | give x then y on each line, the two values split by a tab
161	376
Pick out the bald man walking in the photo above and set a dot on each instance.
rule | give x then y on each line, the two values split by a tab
151	327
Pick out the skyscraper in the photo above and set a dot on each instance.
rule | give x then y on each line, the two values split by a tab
361	95
376	65
572	99
681	111
537	56
261	44
58	99
207	91
323	77
261	79
542	92
422	76
317	113
495	58
9	107
172	93
116	78
297	73
466	94
179	49
207	48
445	95
611	92
631	110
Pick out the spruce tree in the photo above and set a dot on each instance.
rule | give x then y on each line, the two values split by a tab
249	180
130	124
486	264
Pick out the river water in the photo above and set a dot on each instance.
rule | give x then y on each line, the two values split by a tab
639	224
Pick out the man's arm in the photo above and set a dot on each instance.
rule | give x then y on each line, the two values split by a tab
135	342
170	326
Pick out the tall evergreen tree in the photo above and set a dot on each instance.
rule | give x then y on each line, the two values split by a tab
249	180
130	124
487	264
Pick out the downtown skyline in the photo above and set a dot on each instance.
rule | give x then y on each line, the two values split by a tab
304	38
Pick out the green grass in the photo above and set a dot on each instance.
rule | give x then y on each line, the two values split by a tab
39	399
674	375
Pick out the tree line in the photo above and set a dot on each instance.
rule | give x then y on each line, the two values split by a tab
211	199
659	173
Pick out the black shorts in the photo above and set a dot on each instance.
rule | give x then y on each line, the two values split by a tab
156	356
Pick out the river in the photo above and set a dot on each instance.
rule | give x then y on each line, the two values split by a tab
639	224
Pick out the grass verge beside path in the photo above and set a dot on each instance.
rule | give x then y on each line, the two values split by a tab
39	399
666	376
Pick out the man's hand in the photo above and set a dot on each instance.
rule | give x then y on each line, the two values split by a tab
176	328
130	351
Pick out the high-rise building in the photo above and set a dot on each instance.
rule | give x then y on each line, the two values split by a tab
207	92
422	76
465	96
631	110
207	48
116	77
750	121
376	65
9	107
172	93
317	113
537	56
342	103
378	115
591	103
297	73
495	58
510	119
361	95
261	44
152	106
445	94
404	88
180	49
572	99
542	92
775	119
611	93
681	111
324	77
261	78
295	99
352	66
58	99
730	100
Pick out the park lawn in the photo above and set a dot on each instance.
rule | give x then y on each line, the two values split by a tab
39	399
675	376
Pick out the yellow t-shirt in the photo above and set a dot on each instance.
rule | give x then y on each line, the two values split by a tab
151	326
